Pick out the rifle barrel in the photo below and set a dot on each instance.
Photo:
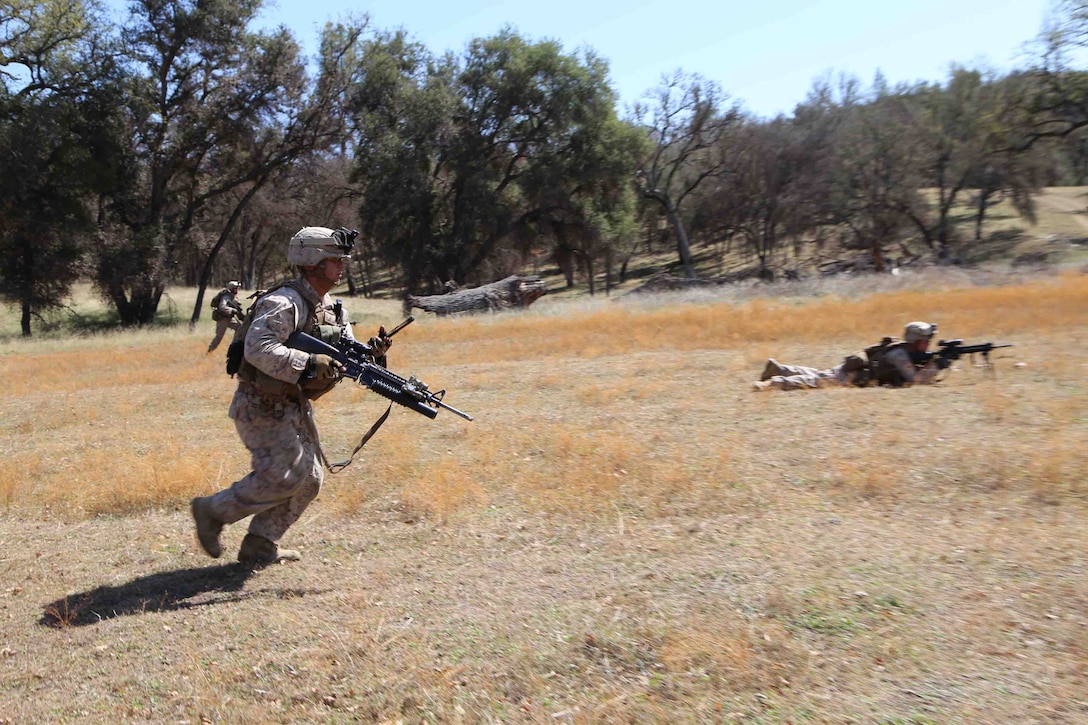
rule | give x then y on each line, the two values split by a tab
401	326
453	410
984	347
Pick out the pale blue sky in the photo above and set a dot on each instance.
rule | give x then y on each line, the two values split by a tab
764	54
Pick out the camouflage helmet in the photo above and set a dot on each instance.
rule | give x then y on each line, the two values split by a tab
312	245
233	285
919	331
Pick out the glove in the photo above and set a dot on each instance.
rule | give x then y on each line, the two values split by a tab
325	367
380	343
943	363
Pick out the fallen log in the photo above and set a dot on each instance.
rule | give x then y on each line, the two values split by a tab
514	291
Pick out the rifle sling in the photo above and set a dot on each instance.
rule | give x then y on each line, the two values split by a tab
337	467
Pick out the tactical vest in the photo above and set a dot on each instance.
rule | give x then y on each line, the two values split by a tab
324	323
869	366
879	369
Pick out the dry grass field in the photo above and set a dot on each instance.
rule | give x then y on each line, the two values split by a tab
625	533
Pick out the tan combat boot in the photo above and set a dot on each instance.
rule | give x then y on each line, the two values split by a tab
207	526
771	369
761	385
258	550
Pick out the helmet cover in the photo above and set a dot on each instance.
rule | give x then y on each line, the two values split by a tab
919	331
313	245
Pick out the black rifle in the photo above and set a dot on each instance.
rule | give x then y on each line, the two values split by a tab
357	359
949	350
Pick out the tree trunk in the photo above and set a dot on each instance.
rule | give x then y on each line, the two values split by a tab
920	225
682	245
878	255
944	223
566	265
209	263
138	309
351	280
25	319
366	267
983	201
514	291
609	263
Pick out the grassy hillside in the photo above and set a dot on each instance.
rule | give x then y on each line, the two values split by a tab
626	533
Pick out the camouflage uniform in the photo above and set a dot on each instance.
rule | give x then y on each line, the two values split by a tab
793	377
275	421
226	315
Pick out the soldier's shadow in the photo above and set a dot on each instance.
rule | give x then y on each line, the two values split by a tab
165	591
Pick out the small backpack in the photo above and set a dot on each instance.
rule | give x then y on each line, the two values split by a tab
218	298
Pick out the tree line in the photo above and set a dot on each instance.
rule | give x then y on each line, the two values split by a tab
183	146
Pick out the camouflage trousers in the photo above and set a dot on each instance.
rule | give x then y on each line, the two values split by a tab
794	377
221	327
287	470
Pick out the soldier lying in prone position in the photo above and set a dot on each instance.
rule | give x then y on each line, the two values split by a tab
890	362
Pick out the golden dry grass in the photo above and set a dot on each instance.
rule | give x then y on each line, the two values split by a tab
625	533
